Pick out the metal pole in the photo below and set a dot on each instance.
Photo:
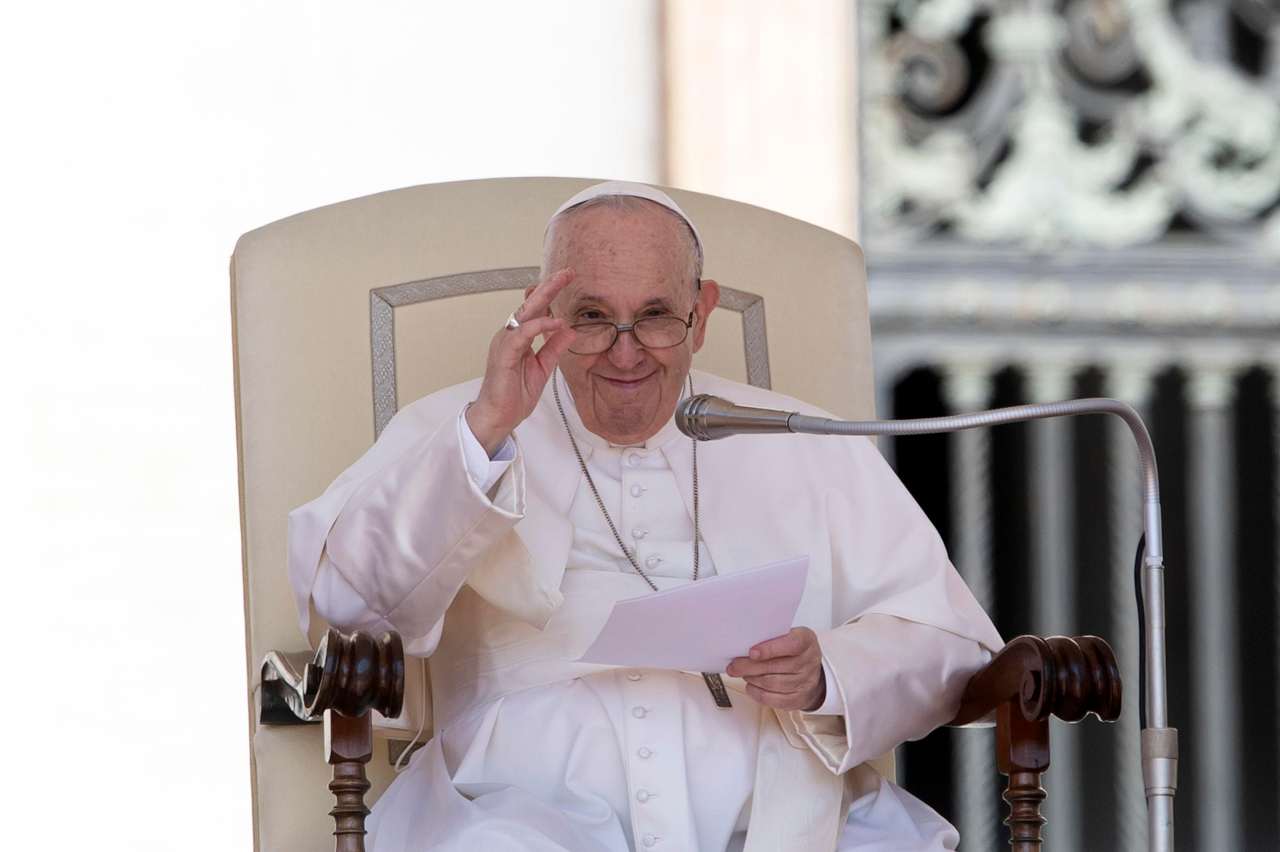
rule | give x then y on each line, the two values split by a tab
1128	379
706	417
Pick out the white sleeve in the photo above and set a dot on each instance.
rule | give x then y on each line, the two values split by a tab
393	540
483	470
833	704
894	680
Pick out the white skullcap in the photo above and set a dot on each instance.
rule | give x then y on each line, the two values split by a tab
635	190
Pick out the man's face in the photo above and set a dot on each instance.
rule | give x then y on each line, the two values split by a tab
628	264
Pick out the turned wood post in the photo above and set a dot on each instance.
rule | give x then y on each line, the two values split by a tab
348	745
349	676
1022	753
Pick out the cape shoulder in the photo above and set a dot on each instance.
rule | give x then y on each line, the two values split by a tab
425	414
744	394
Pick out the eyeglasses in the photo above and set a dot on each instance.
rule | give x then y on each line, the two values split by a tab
658	332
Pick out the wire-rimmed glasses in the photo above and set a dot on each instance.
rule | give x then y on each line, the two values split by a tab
656	332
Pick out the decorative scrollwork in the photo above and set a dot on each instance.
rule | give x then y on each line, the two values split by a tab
1055	676
1104	123
349	673
1100	46
933	75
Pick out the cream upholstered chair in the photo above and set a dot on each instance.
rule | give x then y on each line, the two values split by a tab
342	313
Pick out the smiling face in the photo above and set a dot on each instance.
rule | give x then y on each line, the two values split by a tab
630	261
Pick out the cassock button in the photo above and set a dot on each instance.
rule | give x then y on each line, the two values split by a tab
638	712
639	532
643	796
644	753
653	561
650	840
634	459
637	490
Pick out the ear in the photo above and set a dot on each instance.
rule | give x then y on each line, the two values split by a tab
708	298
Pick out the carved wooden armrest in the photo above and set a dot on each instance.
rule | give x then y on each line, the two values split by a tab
1031	679
346	677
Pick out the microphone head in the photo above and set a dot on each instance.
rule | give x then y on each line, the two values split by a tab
691	416
705	418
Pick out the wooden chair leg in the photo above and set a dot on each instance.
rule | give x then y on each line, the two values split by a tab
348	745
1022	754
349	676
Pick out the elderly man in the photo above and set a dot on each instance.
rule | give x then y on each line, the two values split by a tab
494	524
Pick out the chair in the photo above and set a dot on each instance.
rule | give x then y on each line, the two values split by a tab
341	313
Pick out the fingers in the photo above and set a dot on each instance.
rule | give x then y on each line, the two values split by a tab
555	346
748	668
540	299
515	342
794	643
779	700
804	691
784	683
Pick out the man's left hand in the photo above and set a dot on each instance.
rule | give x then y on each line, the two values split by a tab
784	672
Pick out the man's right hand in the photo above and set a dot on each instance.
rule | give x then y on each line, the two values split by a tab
514	374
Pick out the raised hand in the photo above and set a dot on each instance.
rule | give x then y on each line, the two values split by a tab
784	672
514	374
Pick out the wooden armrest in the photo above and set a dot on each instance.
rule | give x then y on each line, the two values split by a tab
1031	679
350	673
1058	675
348	676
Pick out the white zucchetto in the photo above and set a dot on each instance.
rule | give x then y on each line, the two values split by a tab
635	190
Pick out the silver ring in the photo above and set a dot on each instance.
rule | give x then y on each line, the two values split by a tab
512	322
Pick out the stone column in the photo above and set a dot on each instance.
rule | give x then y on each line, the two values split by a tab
741	100
967	387
1053	584
1275	506
1129	382
1215	657
888	372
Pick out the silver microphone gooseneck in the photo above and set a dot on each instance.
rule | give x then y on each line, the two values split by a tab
707	418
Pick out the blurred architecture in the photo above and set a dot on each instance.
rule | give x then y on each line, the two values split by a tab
1056	198
1083	198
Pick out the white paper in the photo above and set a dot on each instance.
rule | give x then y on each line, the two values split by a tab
702	626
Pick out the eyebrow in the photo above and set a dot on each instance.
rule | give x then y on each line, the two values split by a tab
587	298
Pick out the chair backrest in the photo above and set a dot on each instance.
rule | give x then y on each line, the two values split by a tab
340	314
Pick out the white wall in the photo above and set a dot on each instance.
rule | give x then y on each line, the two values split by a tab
141	140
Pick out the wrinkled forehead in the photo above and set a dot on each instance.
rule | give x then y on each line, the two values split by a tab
642	231
622	262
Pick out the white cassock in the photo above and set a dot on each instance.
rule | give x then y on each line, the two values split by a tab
502	572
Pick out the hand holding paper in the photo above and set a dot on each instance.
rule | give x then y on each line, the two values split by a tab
702	626
785	672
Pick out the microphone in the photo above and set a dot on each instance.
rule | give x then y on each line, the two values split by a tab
706	418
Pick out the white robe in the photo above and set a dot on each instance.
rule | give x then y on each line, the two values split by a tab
535	752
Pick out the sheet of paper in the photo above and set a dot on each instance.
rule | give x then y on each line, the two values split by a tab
700	627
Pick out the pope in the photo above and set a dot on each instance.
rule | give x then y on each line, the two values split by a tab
494	523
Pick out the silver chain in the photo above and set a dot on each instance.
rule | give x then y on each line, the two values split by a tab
697	532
